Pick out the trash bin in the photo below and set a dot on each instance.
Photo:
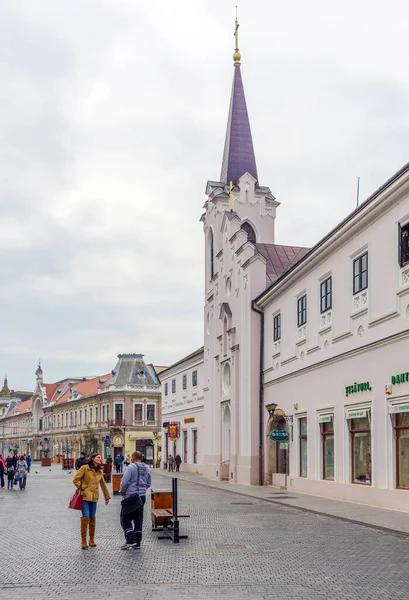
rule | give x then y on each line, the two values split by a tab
116	482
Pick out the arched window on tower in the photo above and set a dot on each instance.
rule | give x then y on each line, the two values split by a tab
225	335
211	253
251	235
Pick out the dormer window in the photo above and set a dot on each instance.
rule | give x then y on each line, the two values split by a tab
251	236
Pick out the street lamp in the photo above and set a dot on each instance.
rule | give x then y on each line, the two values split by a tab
271	408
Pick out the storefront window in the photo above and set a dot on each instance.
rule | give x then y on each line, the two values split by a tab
282	450
361	451
303	447
402	449
327	433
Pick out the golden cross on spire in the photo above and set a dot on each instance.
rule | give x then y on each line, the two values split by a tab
236	55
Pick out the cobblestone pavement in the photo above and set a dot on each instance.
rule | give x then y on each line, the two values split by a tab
238	548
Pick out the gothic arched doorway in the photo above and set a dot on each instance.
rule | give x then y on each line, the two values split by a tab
278	453
226	436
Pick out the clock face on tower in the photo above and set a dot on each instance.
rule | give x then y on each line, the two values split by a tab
118	441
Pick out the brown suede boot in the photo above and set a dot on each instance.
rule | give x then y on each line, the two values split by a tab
92	525
84	529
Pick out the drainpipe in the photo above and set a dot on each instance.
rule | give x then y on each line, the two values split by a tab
261	393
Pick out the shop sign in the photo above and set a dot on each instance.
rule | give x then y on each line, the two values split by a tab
173	430
402	378
357	387
279	435
324	418
357	414
399	408
190	420
283	445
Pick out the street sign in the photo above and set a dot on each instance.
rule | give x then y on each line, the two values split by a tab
279	435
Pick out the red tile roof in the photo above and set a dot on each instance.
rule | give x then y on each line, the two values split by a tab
279	259
89	387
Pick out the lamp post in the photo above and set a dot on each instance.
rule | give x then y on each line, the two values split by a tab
271	408
155	437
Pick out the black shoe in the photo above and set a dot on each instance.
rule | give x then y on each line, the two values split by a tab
137	546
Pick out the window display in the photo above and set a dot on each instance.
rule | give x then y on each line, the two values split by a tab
361	451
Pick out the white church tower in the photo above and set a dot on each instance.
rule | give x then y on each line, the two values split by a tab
241	261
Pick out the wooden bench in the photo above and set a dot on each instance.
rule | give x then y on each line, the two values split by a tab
167	518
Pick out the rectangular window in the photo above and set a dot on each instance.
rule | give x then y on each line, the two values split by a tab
80	417
303	447
194	378
194	446
360	431
66	419
173	386
96	414
90	415
360	272
85	416
103	414
326	294
150	413
185	446
107	412
403	244
75	418
327	436
138	412
119	413
184	384
58	421
70	419
277	327
302	310
402	450
166	389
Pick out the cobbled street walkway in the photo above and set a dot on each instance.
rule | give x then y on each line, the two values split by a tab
239	547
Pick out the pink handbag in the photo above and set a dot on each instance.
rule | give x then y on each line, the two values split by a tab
76	501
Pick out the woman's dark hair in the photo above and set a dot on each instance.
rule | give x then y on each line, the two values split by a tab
91	463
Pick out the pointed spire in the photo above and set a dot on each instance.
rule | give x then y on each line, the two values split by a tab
5	391
238	156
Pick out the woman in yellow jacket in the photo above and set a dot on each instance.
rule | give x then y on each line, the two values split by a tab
86	480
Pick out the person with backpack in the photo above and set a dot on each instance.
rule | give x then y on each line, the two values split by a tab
134	483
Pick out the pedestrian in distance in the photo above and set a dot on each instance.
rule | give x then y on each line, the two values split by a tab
109	460
9	461
178	462
86	480
127	460
136	480
119	459
2	471
15	459
170	463
10	477
81	461
28	461
21	471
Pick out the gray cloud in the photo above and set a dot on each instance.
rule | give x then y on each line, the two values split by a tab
113	118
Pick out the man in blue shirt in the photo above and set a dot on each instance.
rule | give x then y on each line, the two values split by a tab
136	480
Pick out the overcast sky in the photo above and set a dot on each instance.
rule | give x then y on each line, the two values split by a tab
113	116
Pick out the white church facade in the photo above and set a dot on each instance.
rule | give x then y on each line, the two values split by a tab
302	381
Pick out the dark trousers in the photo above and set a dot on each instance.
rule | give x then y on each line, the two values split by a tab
177	467
2	479
170	466
118	468
132	524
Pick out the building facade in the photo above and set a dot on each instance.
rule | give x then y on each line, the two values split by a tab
336	336
182	406
118	412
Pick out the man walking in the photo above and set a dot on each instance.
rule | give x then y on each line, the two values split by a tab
170	463
136	480
178	462
82	460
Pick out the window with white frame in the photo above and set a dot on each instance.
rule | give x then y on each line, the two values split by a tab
360	273
150	413
138	412
302	310
326	294
277	327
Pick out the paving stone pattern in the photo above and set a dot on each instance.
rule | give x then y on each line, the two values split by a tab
252	551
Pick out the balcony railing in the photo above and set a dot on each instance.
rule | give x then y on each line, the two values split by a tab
116	423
